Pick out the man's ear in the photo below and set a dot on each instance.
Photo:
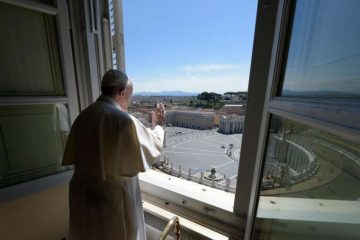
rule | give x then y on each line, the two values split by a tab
122	93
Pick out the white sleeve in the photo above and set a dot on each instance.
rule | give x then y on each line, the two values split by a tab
151	142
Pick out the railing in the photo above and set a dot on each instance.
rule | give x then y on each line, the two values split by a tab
223	184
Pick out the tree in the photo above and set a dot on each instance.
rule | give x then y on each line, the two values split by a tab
203	96
212	100
206	96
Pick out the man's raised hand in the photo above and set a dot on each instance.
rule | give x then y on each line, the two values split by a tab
158	115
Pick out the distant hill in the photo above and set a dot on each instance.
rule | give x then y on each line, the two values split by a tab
167	93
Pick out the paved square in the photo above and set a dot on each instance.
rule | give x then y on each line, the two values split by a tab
201	150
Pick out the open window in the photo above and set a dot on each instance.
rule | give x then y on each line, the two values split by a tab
298	172
300	144
197	174
306	173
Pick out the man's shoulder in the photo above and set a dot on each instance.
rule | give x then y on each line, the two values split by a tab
116	115
102	110
121	117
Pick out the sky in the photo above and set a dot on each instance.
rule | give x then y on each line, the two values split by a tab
324	53
189	45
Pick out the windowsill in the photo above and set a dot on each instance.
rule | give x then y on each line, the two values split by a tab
211	196
195	197
304	209
207	206
33	186
206	232
211	202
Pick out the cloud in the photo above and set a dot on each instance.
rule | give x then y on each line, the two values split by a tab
209	67
218	78
194	83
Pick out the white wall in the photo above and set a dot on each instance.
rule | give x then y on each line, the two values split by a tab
42	215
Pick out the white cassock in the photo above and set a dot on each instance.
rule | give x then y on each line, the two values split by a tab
109	148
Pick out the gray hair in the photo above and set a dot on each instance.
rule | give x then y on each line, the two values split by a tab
113	81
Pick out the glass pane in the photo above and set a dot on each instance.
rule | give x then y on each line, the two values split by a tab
275	229
324	51
32	141
29	53
309	163
312	179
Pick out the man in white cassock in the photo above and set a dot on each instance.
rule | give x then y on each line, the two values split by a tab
109	147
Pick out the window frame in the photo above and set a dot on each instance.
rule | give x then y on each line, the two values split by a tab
226	222
263	67
230	223
67	66
336	116
60	11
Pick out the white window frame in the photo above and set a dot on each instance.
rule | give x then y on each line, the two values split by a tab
338	117
60	11
62	21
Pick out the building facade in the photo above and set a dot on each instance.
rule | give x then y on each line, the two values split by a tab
189	119
231	124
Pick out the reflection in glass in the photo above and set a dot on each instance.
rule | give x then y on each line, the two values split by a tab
304	162
282	229
32	140
310	185
29	53
324	50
